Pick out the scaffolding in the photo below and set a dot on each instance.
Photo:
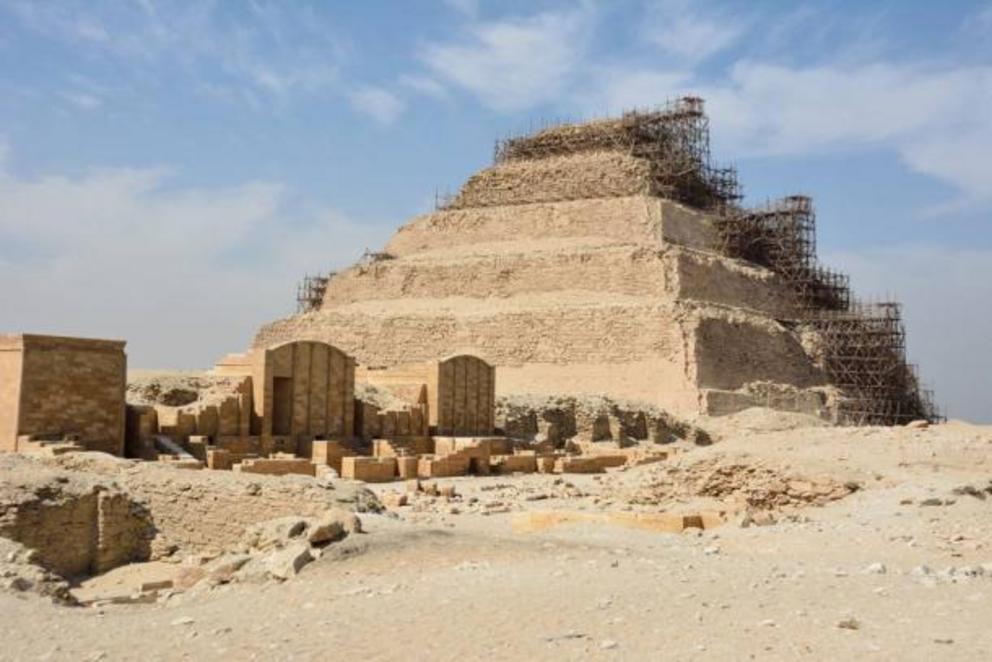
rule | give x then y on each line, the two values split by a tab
864	353
862	346
674	140
782	237
310	292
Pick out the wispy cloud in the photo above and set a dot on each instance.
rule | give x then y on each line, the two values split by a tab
384	106
515	63
424	85
682	29
166	267
467	7
83	101
928	115
277	51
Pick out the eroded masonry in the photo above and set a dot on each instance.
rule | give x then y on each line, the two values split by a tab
607	262
612	257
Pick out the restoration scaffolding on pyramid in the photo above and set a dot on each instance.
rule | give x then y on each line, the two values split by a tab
310	293
861	346
572	215
674	139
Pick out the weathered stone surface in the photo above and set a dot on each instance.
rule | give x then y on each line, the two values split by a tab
288	562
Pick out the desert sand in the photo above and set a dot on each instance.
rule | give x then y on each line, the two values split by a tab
835	543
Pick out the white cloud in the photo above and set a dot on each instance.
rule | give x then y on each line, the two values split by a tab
384	106
514	64
620	90
931	117
948	326
184	274
82	100
256	53
424	85
467	7
681	30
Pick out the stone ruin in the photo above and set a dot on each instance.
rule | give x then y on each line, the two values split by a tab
606	260
304	407
613	258
599	283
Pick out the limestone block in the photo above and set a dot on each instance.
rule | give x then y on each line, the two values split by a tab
369	469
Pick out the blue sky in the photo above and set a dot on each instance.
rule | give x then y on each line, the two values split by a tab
168	170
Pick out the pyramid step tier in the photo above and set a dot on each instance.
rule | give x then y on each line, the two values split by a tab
500	270
633	347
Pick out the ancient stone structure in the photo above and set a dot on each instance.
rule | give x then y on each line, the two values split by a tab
594	259
62	389
567	269
275	399
458	393
90	515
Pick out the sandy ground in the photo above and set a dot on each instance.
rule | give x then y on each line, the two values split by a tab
892	571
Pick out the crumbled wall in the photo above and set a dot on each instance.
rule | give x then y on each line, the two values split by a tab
503	272
79	524
706	277
636	219
201	510
733	350
601	174
609	330
86	513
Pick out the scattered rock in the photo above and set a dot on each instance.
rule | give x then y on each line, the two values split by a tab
274	533
288	562
849	624
329	527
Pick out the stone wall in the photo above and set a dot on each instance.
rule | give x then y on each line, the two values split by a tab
602	174
706	277
734	350
79	525
507	270
67	386
86	513
611	330
466	397
636	219
304	388
10	390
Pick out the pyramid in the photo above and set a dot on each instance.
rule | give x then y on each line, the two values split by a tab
591	258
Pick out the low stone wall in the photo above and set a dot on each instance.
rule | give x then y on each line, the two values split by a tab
79	525
85	513
369	469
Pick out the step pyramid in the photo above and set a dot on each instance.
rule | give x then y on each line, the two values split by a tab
589	259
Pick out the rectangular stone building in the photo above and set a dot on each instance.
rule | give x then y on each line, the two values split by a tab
53	387
460	392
